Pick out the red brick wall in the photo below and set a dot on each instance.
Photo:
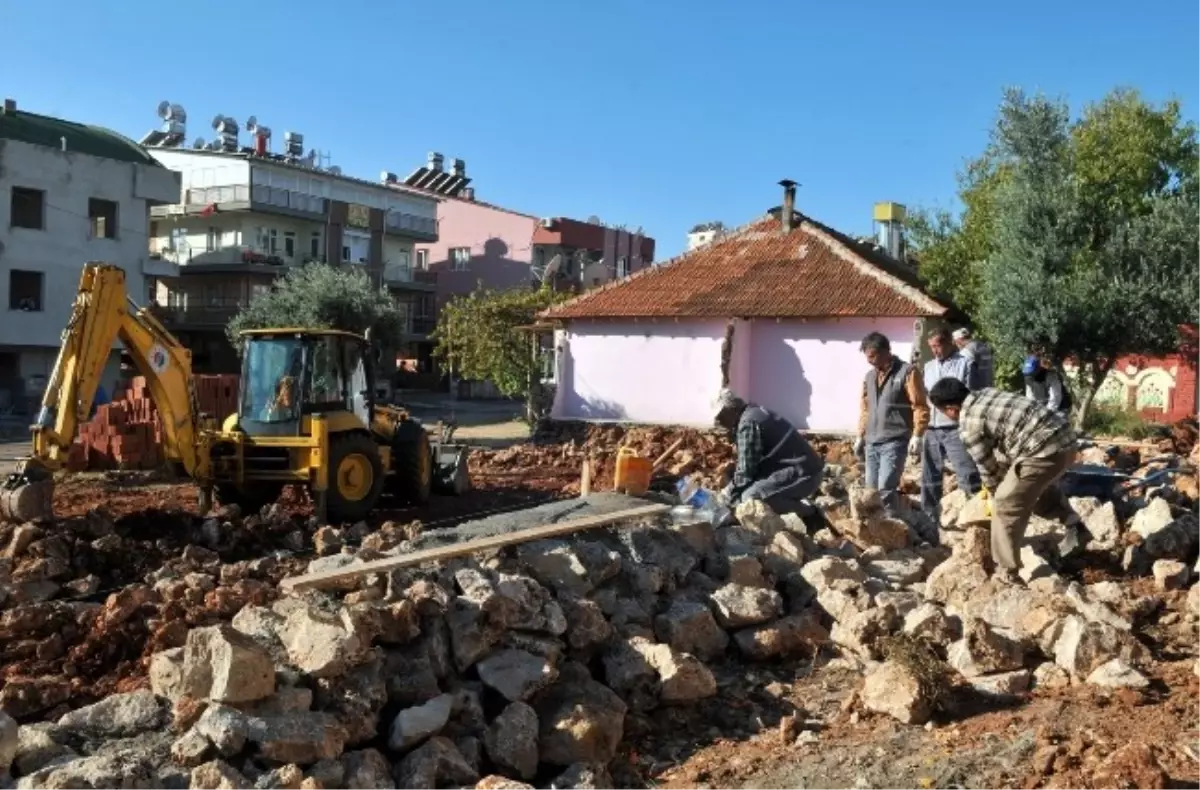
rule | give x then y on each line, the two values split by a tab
1181	399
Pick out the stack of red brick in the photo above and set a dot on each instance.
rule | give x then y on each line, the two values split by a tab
124	434
127	432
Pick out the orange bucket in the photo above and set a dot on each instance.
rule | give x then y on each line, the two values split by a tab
633	472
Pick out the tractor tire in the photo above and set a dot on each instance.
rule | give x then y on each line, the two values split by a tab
356	478
412	465
250	500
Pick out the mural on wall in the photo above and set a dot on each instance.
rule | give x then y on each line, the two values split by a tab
1155	387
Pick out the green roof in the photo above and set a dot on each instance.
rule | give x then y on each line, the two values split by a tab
28	127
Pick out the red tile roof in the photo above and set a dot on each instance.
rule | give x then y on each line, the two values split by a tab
759	272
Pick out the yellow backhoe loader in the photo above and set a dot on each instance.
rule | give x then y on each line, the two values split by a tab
307	414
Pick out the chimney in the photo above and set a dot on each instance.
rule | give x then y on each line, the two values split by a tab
468	193
889	228
789	204
10	106
459	168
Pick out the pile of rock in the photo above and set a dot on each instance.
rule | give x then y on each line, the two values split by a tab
522	667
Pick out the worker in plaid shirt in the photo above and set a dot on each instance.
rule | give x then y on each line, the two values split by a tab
1038	446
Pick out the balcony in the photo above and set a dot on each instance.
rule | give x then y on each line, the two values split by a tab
233	259
213	314
422	228
159	266
399	275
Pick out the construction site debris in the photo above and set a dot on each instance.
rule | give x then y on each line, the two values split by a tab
549	663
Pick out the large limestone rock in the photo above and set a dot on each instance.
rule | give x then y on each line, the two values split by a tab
583	776
930	622
224	665
898	568
300	737
36	748
575	567
974	513
984	650
1162	535
893	689
758	517
682	677
435	763
218	775
1117	674
736	606
1104	527
579	720
1170	574
512	740
166	673
117	716
888	534
689	627
787	637
516	674
863	633
224	727
414	725
320	644
366	769
587	627
821	573
1081	646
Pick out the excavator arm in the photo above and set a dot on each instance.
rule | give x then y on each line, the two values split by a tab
103	314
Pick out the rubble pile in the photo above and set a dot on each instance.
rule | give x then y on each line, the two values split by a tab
533	665
706	455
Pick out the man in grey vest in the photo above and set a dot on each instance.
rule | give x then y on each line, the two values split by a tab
942	442
892	419
980	353
775	464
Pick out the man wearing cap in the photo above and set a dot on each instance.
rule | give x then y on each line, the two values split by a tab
1044	385
980	355
775	464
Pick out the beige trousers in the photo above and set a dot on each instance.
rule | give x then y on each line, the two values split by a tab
1015	500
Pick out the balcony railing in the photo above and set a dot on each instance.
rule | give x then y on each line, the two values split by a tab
210	312
235	255
411	223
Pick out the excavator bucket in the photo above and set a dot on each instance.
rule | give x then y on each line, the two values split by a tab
25	498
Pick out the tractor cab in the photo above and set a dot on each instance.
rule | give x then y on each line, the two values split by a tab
290	374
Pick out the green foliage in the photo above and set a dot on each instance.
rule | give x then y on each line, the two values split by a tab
1079	269
478	337
320	296
1106	420
1078	237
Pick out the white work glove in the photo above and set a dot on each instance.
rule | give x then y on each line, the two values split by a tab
914	446
859	446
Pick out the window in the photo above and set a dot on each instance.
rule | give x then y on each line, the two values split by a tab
622	266
345	253
314	244
102	218
212	241
179	241
28	208
460	257
259	289
289	244
404	259
423	259
25	290
272	241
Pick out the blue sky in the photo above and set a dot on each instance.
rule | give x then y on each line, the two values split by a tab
653	113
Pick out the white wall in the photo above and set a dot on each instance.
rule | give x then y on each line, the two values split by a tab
668	373
59	250
640	372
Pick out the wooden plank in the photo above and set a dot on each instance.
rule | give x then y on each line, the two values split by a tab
317	581
662	459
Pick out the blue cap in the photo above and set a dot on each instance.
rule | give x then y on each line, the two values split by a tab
1030	366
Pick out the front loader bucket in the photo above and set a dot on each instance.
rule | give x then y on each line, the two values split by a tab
23	499
450	471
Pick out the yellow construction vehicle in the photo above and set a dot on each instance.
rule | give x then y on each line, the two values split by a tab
307	414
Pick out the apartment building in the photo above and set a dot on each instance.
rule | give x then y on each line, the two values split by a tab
248	215
69	193
480	243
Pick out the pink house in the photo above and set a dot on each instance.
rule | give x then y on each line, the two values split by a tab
777	308
478	243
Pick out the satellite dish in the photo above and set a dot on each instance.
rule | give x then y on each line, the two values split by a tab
177	113
553	267
251	124
337	171
593	220
198	143
164	109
